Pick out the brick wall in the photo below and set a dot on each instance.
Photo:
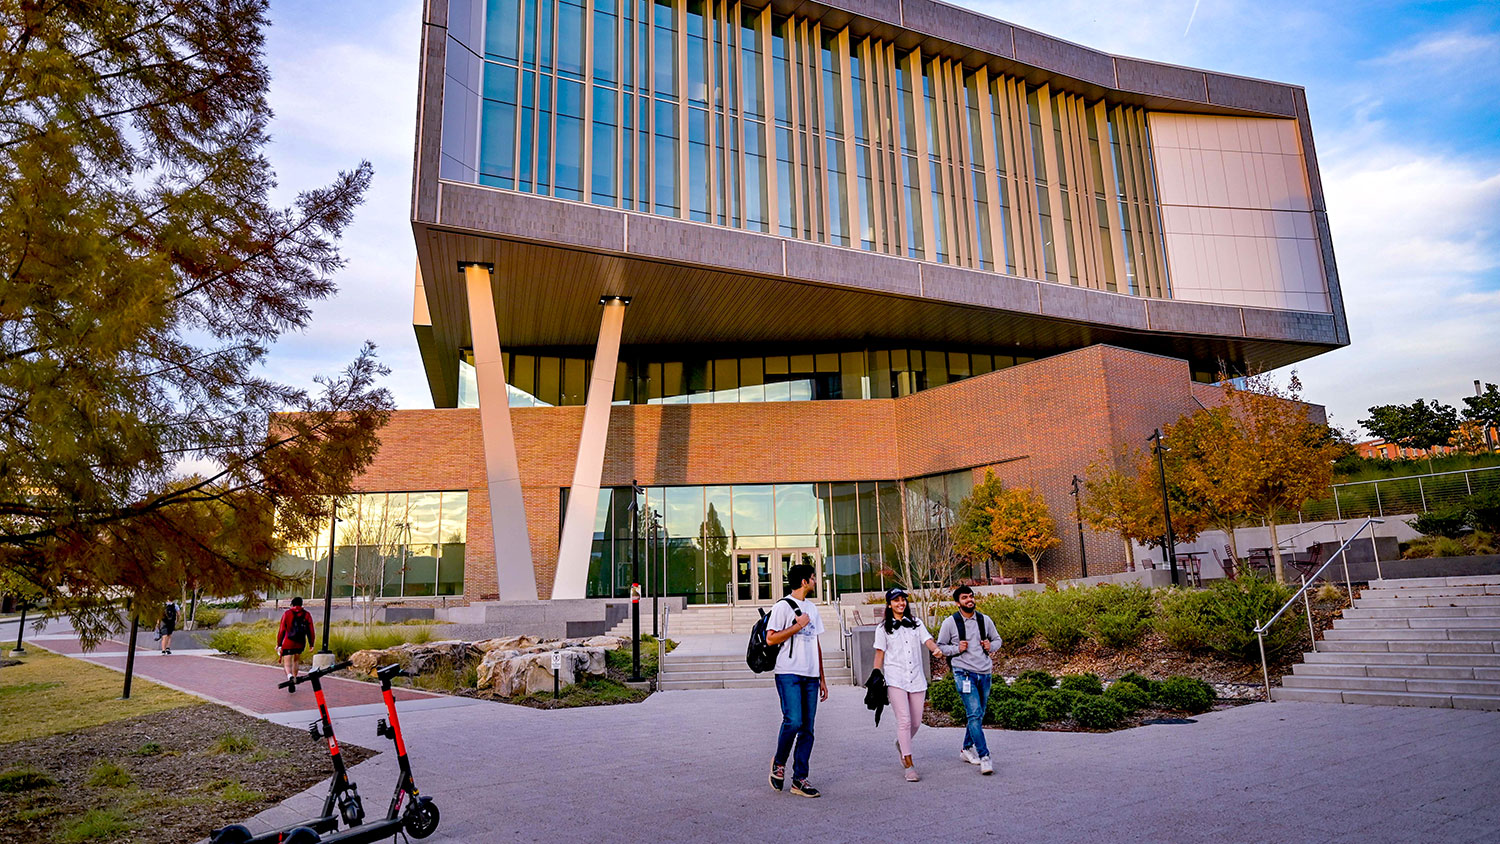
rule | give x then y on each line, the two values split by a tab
1037	424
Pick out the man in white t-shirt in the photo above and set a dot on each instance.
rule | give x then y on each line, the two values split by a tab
794	625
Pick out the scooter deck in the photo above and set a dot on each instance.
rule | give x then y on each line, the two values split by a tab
322	825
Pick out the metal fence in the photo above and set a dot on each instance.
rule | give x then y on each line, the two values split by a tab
1403	495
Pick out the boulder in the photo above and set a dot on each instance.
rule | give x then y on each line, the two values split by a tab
609	643
427	656
509	643
365	662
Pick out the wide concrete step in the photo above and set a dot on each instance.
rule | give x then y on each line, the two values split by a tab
674	670
1430	591
1481	688
1392	634
1452	580
1380	602
1487	660
750	681
1459	701
1361	611
1427	646
1406	672
1462	622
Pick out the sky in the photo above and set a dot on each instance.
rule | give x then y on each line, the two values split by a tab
1405	105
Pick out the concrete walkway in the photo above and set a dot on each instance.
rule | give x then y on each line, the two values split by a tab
691	766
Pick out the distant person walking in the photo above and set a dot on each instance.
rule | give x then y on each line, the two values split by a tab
794	624
969	639
293	635
167	626
899	644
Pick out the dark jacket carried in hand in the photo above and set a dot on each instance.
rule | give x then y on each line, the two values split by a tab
875	694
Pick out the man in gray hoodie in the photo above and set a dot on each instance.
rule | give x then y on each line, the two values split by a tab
967	638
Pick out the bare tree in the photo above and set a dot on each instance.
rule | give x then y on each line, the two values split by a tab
378	534
927	563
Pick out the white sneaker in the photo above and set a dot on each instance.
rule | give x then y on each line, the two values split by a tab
985	766
968	755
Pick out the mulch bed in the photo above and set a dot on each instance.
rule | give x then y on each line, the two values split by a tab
181	787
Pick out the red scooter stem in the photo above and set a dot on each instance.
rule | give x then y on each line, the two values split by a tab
390	708
333	743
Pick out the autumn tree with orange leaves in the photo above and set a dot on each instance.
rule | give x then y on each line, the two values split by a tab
1020	524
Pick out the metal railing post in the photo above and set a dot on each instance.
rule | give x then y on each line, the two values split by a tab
1379	508
1423	493
1468	485
1312	635
1337	513
1375	551
1265	671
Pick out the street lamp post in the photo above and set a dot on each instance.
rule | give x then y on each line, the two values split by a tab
1083	560
324	657
1166	507
20	631
635	586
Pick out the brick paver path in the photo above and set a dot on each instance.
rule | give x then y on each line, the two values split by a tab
691	766
245	686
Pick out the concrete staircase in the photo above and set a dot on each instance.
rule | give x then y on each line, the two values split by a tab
729	671
1413	642
695	621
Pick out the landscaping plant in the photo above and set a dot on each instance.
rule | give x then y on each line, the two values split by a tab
1088	684
1096	712
1017	714
1184	694
1128	695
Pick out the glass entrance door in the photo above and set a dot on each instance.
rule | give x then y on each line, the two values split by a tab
760	575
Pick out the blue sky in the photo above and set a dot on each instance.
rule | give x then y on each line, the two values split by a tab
1405	102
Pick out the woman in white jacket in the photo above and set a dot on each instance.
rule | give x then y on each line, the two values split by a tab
899	642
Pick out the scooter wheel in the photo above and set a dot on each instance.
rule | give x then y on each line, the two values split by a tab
422	820
302	835
232	834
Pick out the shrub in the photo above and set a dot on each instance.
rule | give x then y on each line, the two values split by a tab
1025	689
1128	695
1060	620
1086	683
1014	618
1094	712
1184	694
1450	521
1140	681
1051	705
24	779
1485	510
1479	542
1014	714
150	748
1434	546
235	641
1328	594
1071	696
943	694
1181	619
206	617
1119	630
107	774
95	824
1038	676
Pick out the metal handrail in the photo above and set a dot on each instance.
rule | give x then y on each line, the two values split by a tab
661	641
1395	478
1283	543
1260	629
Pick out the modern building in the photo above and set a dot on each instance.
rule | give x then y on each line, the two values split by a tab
804	271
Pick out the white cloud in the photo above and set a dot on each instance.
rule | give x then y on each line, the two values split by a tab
1419	258
1445	48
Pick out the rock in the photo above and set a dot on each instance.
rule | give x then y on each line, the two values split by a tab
510	643
428	656
609	643
511	673
589	660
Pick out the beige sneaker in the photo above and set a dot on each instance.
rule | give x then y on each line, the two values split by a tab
986	766
968	755
911	774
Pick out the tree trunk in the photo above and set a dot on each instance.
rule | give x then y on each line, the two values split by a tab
1035	577
1234	550
1276	550
1129	553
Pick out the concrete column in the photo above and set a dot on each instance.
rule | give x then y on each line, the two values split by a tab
583	499
515	578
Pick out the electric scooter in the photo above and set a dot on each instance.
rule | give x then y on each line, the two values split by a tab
420	817
343	796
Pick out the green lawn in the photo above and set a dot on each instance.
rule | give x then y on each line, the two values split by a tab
49	694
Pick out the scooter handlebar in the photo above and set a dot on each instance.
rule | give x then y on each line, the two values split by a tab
316	672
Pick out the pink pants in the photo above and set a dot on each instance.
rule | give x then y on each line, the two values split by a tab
908	709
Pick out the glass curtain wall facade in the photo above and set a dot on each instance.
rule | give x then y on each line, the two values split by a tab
549	380
386	545
714	112
688	535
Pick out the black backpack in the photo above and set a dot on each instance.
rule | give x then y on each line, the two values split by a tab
761	655
299	631
958	619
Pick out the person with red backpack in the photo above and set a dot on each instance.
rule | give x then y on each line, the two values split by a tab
293	635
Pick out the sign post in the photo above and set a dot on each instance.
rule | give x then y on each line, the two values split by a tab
556	670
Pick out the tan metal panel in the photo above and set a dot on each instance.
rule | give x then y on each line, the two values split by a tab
851	164
768	92
684	190
1153	204
919	128
1054	191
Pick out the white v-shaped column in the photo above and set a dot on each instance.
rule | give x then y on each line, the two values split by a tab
583	499
515	578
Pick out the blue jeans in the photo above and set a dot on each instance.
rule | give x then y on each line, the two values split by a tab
975	702
799	706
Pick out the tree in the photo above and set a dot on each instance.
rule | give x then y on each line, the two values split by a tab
1210	459
1469	438
927	562
1288	458
1484	410
716	546
1420	425
145	275
1112	502
379	536
1021	525
971	530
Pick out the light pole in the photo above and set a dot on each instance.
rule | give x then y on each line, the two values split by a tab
635	585
1166	507
20	631
1083	560
324	657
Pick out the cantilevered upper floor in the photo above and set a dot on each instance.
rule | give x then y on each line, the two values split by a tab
856	176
